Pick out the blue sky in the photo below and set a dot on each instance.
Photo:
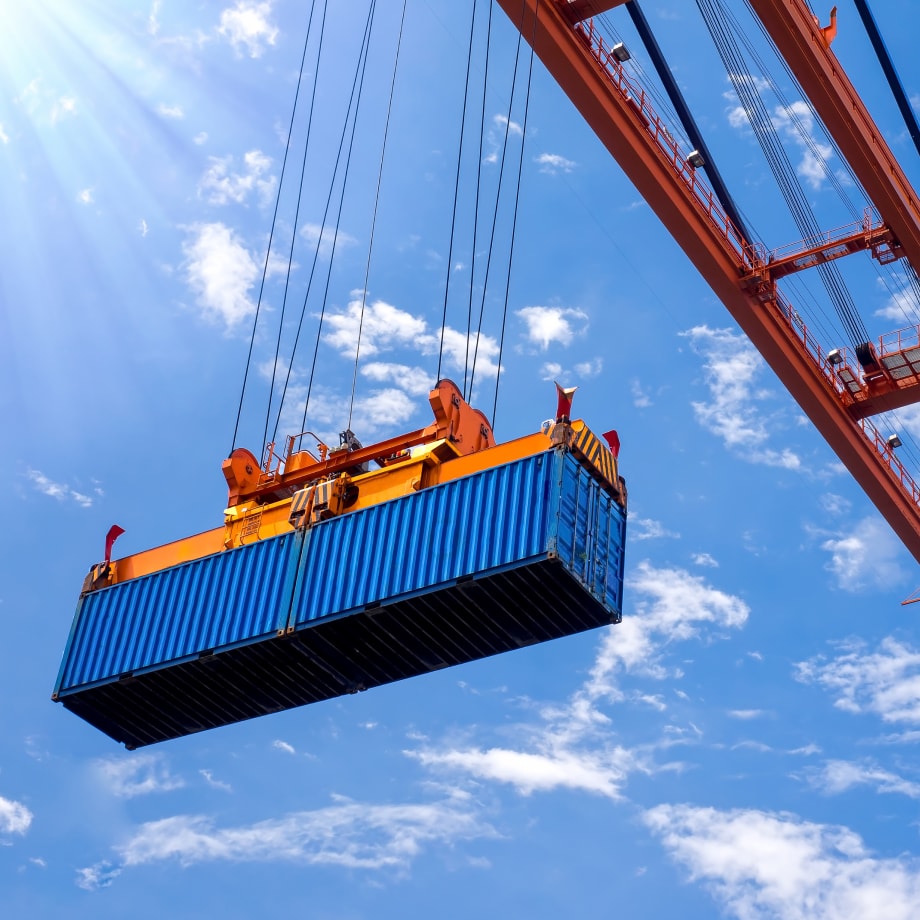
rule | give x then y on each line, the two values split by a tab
742	745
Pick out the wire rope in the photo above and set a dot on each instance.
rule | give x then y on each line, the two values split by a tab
764	129
479	170
290	258
500	185
370	247
517	198
255	322
362	70
453	220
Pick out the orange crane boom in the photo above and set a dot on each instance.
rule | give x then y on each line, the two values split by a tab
826	387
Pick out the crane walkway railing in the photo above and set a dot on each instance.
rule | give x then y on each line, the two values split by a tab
635	96
841	379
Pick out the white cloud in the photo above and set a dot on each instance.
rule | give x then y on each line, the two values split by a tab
170	111
705	560
459	348
590	368
600	771
64	107
93	878
670	605
834	504
838	776
885	682
641	399
383	327
867	556
413	380
501	130
571	746
501	121
215	783
280	745
57	490
141	774
4	137
901	307
553	163
746	714
732	367
85	196
383	409
347	834
248	27
549	325
220	271
326	238
648	529
200	138
15	818
797	122
760	865
221	185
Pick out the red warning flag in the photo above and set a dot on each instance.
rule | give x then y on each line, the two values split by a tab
114	533
564	395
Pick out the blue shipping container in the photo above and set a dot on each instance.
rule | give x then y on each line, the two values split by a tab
509	556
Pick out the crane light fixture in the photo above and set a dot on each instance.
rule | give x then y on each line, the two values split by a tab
696	159
620	52
893	442
834	357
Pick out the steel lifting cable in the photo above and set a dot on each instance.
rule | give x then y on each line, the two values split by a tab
517	198
290	365
290	258
763	127
344	133
370	246
357	88
453	219
757	116
479	170
831	175
255	322
854	209
498	194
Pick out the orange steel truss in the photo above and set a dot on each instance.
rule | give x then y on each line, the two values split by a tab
837	394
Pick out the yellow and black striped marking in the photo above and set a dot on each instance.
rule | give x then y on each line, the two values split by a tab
590	448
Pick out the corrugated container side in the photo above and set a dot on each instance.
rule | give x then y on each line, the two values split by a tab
463	528
591	533
516	554
212	603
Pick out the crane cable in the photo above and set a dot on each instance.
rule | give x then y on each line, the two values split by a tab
370	246
320	237
501	176
715	18
517	198
479	171
359	86
255	322
453	220
290	259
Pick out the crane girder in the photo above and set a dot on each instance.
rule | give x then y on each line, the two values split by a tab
625	123
804	46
